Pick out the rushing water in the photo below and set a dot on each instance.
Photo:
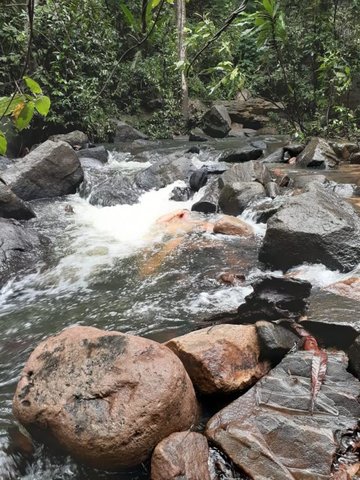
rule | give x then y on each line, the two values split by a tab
107	270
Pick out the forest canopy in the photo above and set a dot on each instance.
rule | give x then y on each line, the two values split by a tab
103	59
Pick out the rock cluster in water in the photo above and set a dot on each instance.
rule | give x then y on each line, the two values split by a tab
114	400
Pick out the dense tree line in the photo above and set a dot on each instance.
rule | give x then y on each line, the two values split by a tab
101	59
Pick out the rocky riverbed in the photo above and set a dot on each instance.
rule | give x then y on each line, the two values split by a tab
231	269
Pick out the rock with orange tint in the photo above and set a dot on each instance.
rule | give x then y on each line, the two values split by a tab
105	397
181	455
228	225
346	288
222	358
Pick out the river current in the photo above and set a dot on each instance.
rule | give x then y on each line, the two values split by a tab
106	269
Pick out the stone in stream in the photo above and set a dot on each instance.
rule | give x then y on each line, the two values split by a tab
20	248
181	455
317	154
180	194
275	298
11	206
235	198
275	340
98	153
51	170
243	154
228	225
75	139
221	359
117	189
216	122
198	179
349	287
197	135
105	397
246	172
209	202
270	433
126	133
315	227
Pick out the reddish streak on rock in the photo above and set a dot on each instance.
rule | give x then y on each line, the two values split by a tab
319	363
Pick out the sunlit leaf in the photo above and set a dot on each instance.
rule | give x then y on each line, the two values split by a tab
33	86
3	144
25	116
42	105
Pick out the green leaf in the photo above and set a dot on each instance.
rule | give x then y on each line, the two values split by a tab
8	104
25	116
268	6
42	105
129	17
3	144
33	86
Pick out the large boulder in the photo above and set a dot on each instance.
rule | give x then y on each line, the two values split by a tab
51	170
216	122
75	139
11	206
221	359
105	397
316	227
235	198
181	455
118	189
275	298
271	433
127	133
246	172
317	154
20	248
251	112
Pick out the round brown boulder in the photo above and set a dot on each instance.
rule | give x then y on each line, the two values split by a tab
228	225
106	397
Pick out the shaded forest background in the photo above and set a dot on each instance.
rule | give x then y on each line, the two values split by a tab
103	59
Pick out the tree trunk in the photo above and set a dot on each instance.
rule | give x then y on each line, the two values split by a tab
180	24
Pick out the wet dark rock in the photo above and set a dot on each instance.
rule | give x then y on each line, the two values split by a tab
246	172
275	298
266	209
181	455
355	158
116	189
275	340
216	122
75	139
222	468
221	359
215	168
316	227
90	163
197	135
194	149
354	357
51	170
92	392
317	154
272	189
243	154
165	171
20	248
180	194
198	179
235	198
294	149
12	206
98	153
269	432
126	133
275	157
344	149
209	202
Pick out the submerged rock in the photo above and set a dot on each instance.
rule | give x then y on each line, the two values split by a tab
222	358
316	227
240	155
181	455
19	249
105	397
180	194
11	206
270	433
216	122
349	288
116	190
275	298
317	154
51	170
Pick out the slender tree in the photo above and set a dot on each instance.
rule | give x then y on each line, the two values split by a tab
180	23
